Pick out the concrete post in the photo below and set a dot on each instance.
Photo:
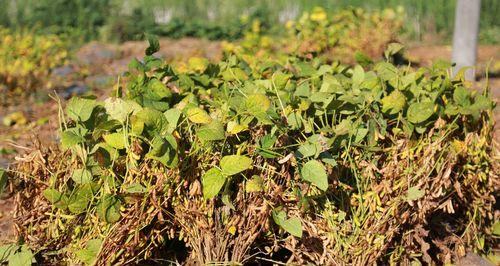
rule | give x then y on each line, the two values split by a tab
465	35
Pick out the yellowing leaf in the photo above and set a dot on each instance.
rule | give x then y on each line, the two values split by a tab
256	184
198	115
394	102
116	140
15	118
235	128
198	64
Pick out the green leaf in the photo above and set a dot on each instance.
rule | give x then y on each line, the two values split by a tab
173	115
23	258
119	109
307	149
6	251
212	182
164	150
294	120
394	102
256	104
198	116
135	188
89	254
358	76
80	109
56	198
256	184
108	209
154	44
116	140
152	120
314	172
461	96
211	132
3	180
420	112
362	59
72	137
157	90
292	225
233	164
81	176
80	199
386	71
414	194
495	229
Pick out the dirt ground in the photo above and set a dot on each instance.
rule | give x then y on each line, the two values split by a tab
104	62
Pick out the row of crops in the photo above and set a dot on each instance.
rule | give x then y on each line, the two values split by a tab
313	147
215	19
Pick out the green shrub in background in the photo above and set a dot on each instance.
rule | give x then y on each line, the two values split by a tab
219	19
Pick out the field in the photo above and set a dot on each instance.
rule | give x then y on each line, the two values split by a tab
329	143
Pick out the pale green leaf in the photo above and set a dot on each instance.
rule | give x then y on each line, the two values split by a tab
173	115
81	176
72	137
80	109
211	132
120	109
233	164
420	112
292	225
414	194
6	251
55	197
23	258
314	172
89	254
212	182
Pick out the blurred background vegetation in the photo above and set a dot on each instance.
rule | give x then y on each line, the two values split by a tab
120	20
